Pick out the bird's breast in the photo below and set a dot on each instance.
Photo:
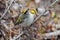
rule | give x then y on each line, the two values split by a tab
28	21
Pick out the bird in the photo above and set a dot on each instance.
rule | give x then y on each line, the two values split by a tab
27	17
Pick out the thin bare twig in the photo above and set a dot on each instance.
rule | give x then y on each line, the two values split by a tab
7	9
54	2
18	36
57	32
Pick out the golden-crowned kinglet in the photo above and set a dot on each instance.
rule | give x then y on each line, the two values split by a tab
27	17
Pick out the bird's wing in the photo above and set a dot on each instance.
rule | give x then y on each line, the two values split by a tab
20	19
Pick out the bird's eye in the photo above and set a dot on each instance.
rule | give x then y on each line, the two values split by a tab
33	11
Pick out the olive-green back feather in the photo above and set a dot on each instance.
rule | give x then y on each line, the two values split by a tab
21	18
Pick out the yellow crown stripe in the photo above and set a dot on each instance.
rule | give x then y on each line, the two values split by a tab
33	11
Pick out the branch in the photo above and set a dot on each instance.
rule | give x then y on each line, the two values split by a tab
7	9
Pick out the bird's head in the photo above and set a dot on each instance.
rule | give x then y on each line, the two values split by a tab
33	11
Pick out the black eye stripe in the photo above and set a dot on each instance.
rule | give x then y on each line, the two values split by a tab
26	11
36	9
